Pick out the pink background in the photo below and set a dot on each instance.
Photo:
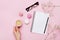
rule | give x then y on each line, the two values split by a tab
9	13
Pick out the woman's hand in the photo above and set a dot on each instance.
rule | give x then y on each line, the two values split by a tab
16	32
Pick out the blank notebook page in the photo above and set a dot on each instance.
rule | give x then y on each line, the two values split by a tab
39	22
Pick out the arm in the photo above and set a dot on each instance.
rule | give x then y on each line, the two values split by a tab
16	32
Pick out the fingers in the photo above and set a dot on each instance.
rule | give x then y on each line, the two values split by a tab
16	29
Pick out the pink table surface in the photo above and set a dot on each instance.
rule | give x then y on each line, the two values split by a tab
9	13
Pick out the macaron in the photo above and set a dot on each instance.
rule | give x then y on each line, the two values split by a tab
20	14
26	21
18	23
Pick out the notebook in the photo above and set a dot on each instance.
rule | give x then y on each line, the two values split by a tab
40	21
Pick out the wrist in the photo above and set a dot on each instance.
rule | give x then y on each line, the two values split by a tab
17	39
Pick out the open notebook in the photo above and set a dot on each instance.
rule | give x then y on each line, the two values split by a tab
39	23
